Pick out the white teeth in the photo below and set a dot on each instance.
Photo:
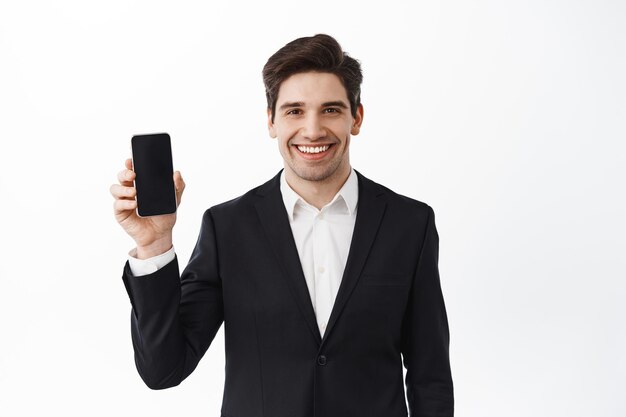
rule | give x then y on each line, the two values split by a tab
313	149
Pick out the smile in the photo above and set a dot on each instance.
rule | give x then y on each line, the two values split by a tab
314	153
313	149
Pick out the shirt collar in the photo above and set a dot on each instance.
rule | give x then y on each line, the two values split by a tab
348	194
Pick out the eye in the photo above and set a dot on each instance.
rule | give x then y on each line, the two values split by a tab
332	110
294	112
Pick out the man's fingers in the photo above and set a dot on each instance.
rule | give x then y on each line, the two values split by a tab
120	206
178	182
126	177
122	192
180	186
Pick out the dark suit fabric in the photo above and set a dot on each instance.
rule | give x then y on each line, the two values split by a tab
245	271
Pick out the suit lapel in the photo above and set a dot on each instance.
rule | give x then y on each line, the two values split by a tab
275	222
370	210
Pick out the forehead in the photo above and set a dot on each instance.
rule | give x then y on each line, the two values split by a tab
311	88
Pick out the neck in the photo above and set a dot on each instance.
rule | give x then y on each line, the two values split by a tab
318	193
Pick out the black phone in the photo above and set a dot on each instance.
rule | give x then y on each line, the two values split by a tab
154	174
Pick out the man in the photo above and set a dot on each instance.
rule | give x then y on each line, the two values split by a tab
325	280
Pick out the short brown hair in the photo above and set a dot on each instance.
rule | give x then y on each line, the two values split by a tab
321	53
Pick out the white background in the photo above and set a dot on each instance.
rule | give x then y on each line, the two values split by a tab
507	117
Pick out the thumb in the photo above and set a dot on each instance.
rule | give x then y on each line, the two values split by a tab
180	186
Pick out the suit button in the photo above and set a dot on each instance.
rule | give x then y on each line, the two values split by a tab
321	360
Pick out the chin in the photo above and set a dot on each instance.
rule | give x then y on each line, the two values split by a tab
315	174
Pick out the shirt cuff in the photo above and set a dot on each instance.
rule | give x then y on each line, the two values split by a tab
140	267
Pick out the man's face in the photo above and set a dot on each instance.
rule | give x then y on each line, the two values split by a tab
313	125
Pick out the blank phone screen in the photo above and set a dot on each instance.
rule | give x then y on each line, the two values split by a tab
154	180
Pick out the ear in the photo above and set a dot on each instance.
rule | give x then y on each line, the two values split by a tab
270	124
358	119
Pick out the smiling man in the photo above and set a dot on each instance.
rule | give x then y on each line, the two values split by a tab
327	283
313	122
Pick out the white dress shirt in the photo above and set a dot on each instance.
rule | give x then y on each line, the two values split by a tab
322	238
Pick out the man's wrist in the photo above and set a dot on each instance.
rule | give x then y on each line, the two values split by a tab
158	247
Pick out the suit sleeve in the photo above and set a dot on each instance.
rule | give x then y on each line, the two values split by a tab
175	318
425	339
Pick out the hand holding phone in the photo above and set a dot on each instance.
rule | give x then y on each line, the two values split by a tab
153	234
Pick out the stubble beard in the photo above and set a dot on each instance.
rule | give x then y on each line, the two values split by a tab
315	173
320	173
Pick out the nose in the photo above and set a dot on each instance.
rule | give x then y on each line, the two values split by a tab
313	128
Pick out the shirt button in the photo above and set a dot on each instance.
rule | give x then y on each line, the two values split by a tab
321	360
320	216
321	269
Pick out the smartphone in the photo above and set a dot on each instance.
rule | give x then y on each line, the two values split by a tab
154	174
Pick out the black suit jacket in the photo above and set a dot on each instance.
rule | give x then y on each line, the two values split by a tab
245	271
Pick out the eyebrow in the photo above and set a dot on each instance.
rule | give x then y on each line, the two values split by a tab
292	104
337	103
